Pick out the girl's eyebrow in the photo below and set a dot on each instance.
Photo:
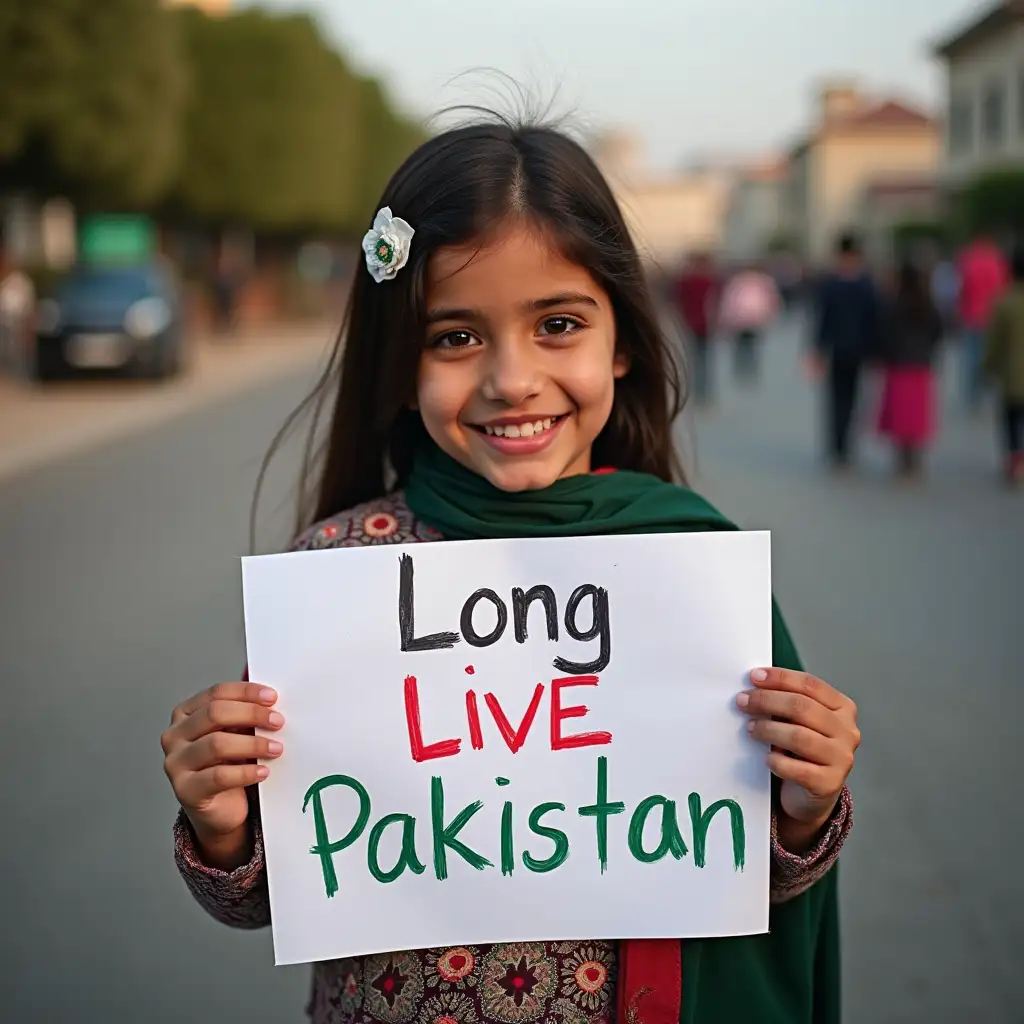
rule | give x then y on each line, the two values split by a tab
534	305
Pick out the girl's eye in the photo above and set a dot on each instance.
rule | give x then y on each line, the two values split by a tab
454	340
559	326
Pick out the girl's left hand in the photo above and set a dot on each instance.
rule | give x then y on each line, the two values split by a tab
799	714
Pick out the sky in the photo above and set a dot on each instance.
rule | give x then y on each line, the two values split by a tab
694	79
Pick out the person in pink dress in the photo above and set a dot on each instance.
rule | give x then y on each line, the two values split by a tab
984	276
912	329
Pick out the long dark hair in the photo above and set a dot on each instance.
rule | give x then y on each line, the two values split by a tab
451	190
913	299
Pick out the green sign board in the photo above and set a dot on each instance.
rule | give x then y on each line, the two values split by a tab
116	239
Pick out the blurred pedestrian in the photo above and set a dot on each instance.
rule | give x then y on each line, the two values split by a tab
945	289
846	336
697	291
912	329
17	315
984	276
1004	362
750	304
535	403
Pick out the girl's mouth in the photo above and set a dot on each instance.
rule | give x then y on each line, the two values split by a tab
525	438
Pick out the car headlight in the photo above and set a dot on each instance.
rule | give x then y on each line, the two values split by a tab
146	318
47	317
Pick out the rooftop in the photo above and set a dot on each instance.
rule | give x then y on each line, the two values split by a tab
996	18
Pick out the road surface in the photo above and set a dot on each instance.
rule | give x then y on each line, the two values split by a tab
120	590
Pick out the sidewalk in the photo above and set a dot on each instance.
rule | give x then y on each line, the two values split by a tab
42	424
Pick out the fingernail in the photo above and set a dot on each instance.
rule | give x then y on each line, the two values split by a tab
262	771
759	675
274	747
750	725
267	695
743	699
276	720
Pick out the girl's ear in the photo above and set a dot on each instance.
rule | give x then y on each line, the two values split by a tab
621	365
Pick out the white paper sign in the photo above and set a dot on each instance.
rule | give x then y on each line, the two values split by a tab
555	755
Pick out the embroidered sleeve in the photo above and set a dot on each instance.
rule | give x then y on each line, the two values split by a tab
236	898
793	874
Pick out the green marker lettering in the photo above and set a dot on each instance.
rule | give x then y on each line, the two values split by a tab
406	859
600	810
444	836
671	839
324	848
702	822
556	835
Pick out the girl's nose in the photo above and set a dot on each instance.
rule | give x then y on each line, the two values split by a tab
511	376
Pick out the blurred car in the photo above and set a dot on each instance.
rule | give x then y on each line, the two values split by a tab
123	320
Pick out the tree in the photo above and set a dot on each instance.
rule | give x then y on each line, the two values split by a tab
994	202
90	98
387	140
272	132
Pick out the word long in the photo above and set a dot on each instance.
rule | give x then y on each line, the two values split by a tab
444	831
599	629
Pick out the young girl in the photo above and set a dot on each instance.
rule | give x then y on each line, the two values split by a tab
910	337
503	375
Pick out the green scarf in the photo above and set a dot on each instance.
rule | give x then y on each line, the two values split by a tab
790	975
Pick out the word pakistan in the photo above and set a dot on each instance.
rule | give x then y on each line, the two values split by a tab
444	830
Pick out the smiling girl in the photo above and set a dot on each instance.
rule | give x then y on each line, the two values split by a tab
503	375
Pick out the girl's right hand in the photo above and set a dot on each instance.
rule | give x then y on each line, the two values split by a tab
210	751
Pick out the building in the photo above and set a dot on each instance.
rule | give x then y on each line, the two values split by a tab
668	215
216	8
985	94
886	204
855	143
754	215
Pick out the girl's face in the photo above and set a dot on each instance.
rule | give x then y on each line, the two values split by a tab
518	371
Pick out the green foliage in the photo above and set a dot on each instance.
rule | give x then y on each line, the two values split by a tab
251	119
994	202
90	94
910	236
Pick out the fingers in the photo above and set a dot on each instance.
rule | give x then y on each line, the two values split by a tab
219	715
253	693
794	707
820	781
795	739
222	748
196	788
788	681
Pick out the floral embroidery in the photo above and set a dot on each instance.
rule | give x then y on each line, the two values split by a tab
633	1010
452	967
340	981
517	982
393	987
379	525
449	1008
585	976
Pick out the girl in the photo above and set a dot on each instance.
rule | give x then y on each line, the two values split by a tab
911	332
503	375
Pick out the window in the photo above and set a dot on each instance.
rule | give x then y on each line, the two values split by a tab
993	114
961	125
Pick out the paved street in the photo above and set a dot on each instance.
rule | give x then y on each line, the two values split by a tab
120	595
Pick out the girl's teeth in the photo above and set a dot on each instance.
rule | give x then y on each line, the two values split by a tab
522	429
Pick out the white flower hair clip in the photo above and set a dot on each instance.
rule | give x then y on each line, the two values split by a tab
386	245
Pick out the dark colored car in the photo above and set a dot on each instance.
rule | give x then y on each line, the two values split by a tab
124	320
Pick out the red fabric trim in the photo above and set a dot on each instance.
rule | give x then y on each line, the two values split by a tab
650	981
603	471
